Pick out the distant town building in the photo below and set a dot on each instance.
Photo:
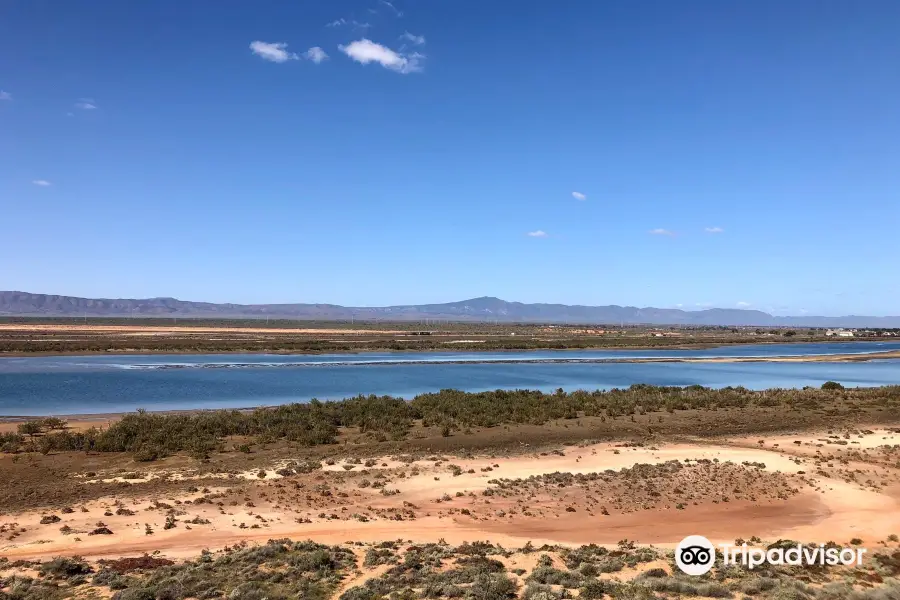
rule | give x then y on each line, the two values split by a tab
840	332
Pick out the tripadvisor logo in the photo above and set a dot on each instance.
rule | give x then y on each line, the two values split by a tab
695	555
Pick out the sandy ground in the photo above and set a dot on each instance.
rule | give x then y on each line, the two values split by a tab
820	358
811	491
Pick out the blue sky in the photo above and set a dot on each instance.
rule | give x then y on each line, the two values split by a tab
692	154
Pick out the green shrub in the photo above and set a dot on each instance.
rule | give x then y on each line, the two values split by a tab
540	592
64	568
138	593
359	593
688	588
110	579
493	587
146	453
552	576
250	590
595	589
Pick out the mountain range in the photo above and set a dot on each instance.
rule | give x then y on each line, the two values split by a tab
22	304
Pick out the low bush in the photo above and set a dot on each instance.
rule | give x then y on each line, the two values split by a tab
64	568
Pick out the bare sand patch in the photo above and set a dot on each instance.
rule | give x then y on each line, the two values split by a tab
426	500
835	439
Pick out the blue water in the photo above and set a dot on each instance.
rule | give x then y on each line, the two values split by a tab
96	384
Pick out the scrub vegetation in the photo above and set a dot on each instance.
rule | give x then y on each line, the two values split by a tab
150	436
282	569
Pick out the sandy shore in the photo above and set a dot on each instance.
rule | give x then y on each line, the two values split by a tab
859	357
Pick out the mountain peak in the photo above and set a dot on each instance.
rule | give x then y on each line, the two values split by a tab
484	308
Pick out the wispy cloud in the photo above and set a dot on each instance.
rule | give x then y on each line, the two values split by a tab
679	305
41	183
354	24
366	51
315	54
275	52
778	309
537	234
714	230
418	40
703	304
86	104
661	231
398	13
743	304
5	95
579	196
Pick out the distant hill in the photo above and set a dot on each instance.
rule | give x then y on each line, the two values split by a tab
476	309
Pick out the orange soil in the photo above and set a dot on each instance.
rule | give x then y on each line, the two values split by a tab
825	508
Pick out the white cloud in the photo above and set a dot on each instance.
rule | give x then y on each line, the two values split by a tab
704	304
41	183
679	305
275	52
5	95
743	304
778	309
399	13
714	230
418	40
579	196
537	234
355	24
366	51
660	231
85	104
315	54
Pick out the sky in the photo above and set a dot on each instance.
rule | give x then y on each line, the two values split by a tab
670	154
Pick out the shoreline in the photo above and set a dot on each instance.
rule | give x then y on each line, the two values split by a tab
836	358
89	419
447	348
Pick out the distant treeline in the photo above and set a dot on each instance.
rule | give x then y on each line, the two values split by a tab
153	435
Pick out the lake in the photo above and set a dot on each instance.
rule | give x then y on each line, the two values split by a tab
43	385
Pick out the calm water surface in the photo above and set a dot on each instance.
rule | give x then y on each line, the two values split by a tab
97	384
